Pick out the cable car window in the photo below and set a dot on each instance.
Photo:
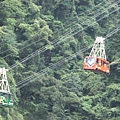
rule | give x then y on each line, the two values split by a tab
107	65
91	61
99	62
104	64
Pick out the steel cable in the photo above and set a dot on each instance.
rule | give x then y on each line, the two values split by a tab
55	42
58	64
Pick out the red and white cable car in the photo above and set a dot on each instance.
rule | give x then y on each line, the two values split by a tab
96	61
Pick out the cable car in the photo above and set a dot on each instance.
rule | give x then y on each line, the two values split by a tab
96	65
96	61
6	98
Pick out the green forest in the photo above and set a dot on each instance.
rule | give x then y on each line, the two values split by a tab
39	44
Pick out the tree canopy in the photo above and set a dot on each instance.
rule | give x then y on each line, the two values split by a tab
36	34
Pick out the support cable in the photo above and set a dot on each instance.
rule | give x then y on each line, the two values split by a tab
88	12
55	42
34	77
75	17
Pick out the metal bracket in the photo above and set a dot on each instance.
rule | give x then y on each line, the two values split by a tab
98	49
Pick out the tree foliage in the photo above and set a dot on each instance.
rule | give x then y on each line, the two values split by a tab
67	92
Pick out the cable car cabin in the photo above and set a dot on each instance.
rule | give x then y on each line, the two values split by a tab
96	65
6	99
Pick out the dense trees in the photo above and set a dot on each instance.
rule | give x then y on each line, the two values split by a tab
67	92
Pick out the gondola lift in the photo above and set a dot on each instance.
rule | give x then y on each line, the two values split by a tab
96	61
6	98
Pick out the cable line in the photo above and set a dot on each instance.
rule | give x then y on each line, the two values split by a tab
57	64
115	62
61	29
68	35
88	12
51	67
72	18
113	32
91	12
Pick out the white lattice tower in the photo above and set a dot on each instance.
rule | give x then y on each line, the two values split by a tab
98	49
4	86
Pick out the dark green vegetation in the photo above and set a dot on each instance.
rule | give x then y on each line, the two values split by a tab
69	92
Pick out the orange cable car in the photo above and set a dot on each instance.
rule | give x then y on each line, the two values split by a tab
96	61
96	65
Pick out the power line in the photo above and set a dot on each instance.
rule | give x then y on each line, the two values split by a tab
113	32
115	62
57	64
55	42
88	12
51	67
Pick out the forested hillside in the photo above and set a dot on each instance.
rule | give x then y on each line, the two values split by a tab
39	44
